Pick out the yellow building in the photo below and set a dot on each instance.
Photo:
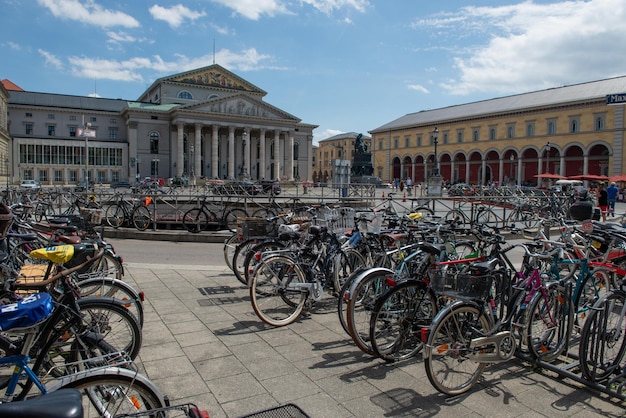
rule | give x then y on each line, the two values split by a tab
566	131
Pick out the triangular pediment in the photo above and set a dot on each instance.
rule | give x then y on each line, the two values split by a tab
239	105
214	76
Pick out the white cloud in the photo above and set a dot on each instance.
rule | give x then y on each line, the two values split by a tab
121	37
51	59
139	69
222	30
325	134
13	45
254	9
88	12
328	6
418	87
533	46
174	15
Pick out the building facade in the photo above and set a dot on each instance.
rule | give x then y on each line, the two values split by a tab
203	124
338	147
565	131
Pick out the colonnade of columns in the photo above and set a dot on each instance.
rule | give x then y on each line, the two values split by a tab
225	151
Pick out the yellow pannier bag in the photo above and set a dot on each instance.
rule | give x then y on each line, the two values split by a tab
59	254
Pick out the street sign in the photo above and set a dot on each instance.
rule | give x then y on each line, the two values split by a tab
87	133
616	99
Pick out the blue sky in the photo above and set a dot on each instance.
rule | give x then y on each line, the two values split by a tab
345	65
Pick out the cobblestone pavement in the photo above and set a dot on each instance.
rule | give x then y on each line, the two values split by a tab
204	344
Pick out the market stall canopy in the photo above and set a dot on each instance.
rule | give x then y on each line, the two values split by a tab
590	177
549	176
618	177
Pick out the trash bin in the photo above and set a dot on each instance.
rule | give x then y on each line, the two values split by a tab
581	210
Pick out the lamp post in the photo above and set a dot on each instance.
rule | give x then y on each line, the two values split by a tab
7	164
435	164
512	159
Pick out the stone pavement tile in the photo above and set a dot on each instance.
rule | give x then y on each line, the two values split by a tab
205	351
179	317
186	327
208	403
156	332
182	386
219	367
255	351
167	306
297	350
202	336
291	387
247	406
233	333
168	367
317	367
321	405
159	351
341	391
279	337
213	316
268	368
235	387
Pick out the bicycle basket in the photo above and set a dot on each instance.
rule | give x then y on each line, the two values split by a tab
255	228
370	221
461	284
283	411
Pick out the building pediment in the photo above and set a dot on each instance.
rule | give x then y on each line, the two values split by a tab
240	105
214	76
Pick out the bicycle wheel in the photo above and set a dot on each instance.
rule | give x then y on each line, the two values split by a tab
548	322
230	218
230	245
116	289
277	292
397	320
486	217
115	216
114	391
591	288
447	355
342	299
346	262
264	213
239	258
455	217
195	220
602	341
43	211
256	254
107	265
141	218
361	302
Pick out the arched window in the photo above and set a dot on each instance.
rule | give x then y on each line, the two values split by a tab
154	142
185	95
296	150
212	96
599	123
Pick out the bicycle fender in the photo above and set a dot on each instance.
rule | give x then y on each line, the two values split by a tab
365	273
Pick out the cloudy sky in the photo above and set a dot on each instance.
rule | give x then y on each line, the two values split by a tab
345	65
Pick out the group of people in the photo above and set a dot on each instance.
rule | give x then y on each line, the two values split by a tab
606	199
401	184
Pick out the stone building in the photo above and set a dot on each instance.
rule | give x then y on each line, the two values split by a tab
571	130
205	123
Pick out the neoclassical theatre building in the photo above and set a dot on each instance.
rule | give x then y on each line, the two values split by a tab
205	123
568	131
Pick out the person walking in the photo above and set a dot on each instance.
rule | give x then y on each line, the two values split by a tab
612	191
603	200
409	186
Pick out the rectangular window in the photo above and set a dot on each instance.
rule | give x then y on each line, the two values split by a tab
72	176
530	129
459	136
58	176
29	115
93	119
72	131
407	141
50	115
51	130
475	134
115	176
113	121
101	176
43	176
28	128
574	124
419	140
446	137
551	128
72	117
380	145
395	142
492	133
112	133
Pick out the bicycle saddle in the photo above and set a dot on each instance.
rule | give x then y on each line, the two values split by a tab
64	403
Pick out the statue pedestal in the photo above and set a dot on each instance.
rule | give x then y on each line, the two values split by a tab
434	185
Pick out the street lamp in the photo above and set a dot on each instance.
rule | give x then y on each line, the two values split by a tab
512	159
435	134
7	164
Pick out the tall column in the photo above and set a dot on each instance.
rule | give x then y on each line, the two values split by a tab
467	171
276	154
483	176
289	155
197	152
540	164
132	151
501	171
585	164
518	177
309	154
562	165
215	162
262	163
452	180
180	149
246	152
231	152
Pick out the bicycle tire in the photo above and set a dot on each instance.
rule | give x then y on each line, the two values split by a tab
230	245
109	264
239	258
549	322
447	353
141	218
398	318
486	217
195	220
115	216
264	213
346	262
113	288
43	211
590	289
603	340
274	301
362	299
342	299
455	217
230	218
114	391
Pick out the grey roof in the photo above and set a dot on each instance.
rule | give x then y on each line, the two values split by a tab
345	135
64	101
594	90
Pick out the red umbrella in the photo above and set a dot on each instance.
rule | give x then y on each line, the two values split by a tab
619	177
550	176
591	177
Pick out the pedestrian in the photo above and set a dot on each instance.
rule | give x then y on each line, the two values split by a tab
612	192
396	183
603	200
409	186
401	185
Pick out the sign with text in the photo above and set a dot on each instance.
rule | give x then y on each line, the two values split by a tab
87	133
616	99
